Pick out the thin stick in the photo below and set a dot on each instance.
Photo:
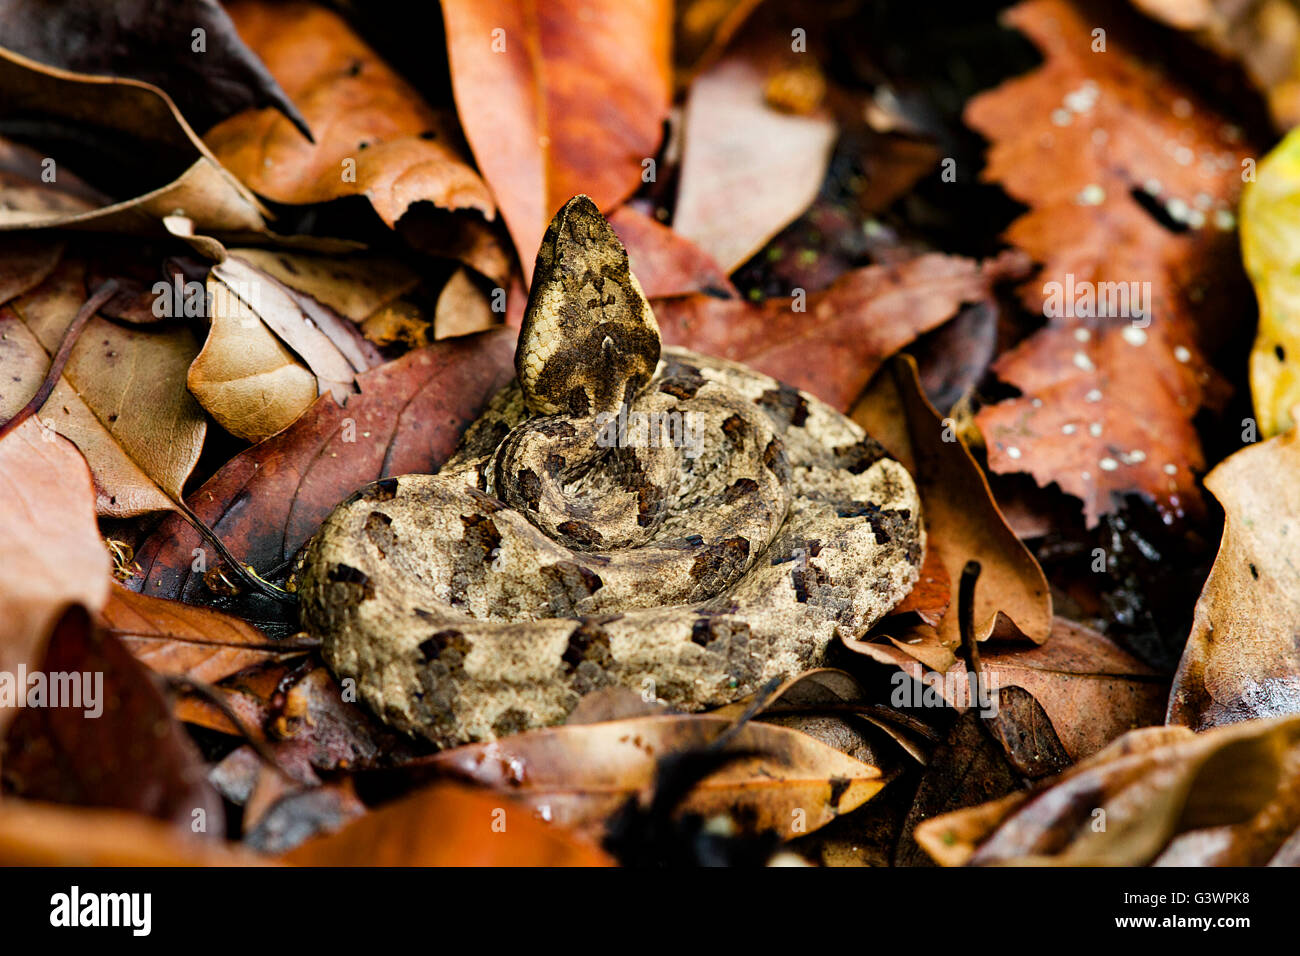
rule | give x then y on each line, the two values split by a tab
70	336
246	575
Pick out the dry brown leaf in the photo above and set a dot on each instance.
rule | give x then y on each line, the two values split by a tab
449	825
375	136
353	286
214	199
832	342
1263	839
1122	806
43	834
183	640
121	399
558	99
666	263
274	346
749	169
580	774
1241	660
1091	690
113	745
463	308
51	554
1085	141
961	515
245	376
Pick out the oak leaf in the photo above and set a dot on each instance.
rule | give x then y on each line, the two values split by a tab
1090	141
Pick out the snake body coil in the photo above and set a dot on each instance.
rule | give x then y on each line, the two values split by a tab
620	514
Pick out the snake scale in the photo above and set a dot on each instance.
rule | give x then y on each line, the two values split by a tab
623	513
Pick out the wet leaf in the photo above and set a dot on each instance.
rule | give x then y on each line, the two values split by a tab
1095	144
559	99
1265	37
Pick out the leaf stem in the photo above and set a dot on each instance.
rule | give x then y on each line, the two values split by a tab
70	335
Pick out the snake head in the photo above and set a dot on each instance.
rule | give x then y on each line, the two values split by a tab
589	341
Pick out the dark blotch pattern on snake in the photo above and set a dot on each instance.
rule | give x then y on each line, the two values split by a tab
652	518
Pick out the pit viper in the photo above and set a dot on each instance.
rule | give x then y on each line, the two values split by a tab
623	513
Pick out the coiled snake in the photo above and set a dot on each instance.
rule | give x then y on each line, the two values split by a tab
621	514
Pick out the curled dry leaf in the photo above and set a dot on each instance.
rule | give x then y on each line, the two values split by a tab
558	99
23	195
578	775
1090	143
449	825
91	750
1270	247
1269	837
121	398
961	516
1241	660
248	375
182	640
51	554
749	168
268	500
1147	787
1091	690
196	182
832	342
245	376
154	44
375	136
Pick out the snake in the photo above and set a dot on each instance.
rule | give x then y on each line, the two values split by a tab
622	514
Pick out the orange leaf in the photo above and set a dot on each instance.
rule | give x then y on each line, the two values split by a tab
51	554
375	136
559	98
1090	141
189	641
449	825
